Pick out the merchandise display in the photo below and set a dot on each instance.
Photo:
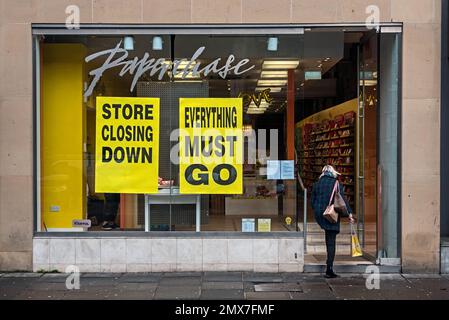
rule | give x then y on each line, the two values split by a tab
330	141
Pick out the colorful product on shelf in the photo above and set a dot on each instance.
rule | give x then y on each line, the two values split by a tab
329	142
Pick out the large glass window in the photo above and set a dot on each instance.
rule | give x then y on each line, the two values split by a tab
264	71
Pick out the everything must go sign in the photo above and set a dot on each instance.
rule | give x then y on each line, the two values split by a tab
211	145
127	145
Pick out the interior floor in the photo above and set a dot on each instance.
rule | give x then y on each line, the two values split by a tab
339	259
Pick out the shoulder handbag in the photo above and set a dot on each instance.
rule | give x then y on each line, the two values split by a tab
330	214
339	203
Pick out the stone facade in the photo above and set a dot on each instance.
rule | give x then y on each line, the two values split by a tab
420	107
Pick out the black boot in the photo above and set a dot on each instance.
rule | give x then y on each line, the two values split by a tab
330	273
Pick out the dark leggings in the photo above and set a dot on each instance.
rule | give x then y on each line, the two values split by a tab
331	237
111	204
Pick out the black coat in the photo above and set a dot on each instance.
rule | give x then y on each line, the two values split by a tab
321	193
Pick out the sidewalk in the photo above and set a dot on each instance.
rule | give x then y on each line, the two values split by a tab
221	285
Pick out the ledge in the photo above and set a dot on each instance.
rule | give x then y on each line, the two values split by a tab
445	242
169	234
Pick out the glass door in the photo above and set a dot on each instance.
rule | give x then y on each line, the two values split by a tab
367	146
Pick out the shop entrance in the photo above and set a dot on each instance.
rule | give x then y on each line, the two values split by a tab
340	121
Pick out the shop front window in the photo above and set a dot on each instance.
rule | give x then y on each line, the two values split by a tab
211	97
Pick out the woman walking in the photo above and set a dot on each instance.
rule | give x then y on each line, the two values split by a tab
321	193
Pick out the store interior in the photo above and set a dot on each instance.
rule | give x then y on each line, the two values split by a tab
307	87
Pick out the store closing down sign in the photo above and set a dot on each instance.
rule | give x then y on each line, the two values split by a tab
127	145
211	145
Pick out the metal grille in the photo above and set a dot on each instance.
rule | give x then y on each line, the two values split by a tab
169	94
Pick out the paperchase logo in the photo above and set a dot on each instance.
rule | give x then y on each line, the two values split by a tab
117	57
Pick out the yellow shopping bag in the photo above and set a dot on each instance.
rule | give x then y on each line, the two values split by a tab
356	250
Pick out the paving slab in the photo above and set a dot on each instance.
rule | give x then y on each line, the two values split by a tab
41	295
218	294
208	285
309	277
10	293
22	275
360	281
118	293
223	276
262	277
142	278
178	293
267	295
248	286
352	292
87	295
179	281
183	274
315	295
421	276
136	286
391	276
101	275
434	288
278	287
98	282
53	277
47	286
315	287
133	296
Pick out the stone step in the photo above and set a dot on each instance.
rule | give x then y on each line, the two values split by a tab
321	248
313	237
348	268
344	228
320	236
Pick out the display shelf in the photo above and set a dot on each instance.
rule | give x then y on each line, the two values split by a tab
331	138
333	129
327	141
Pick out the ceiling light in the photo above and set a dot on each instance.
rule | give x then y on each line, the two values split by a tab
368	83
255	111
128	43
312	75
157	43
189	81
269	83
184	63
274	74
262	106
272	89
272	44
189	75
280	64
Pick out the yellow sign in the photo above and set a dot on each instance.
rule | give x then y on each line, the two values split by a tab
264	225
127	145
211	145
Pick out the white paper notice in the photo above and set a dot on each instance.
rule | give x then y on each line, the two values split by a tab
273	169
287	169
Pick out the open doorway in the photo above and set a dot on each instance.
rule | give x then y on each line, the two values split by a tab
340	121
